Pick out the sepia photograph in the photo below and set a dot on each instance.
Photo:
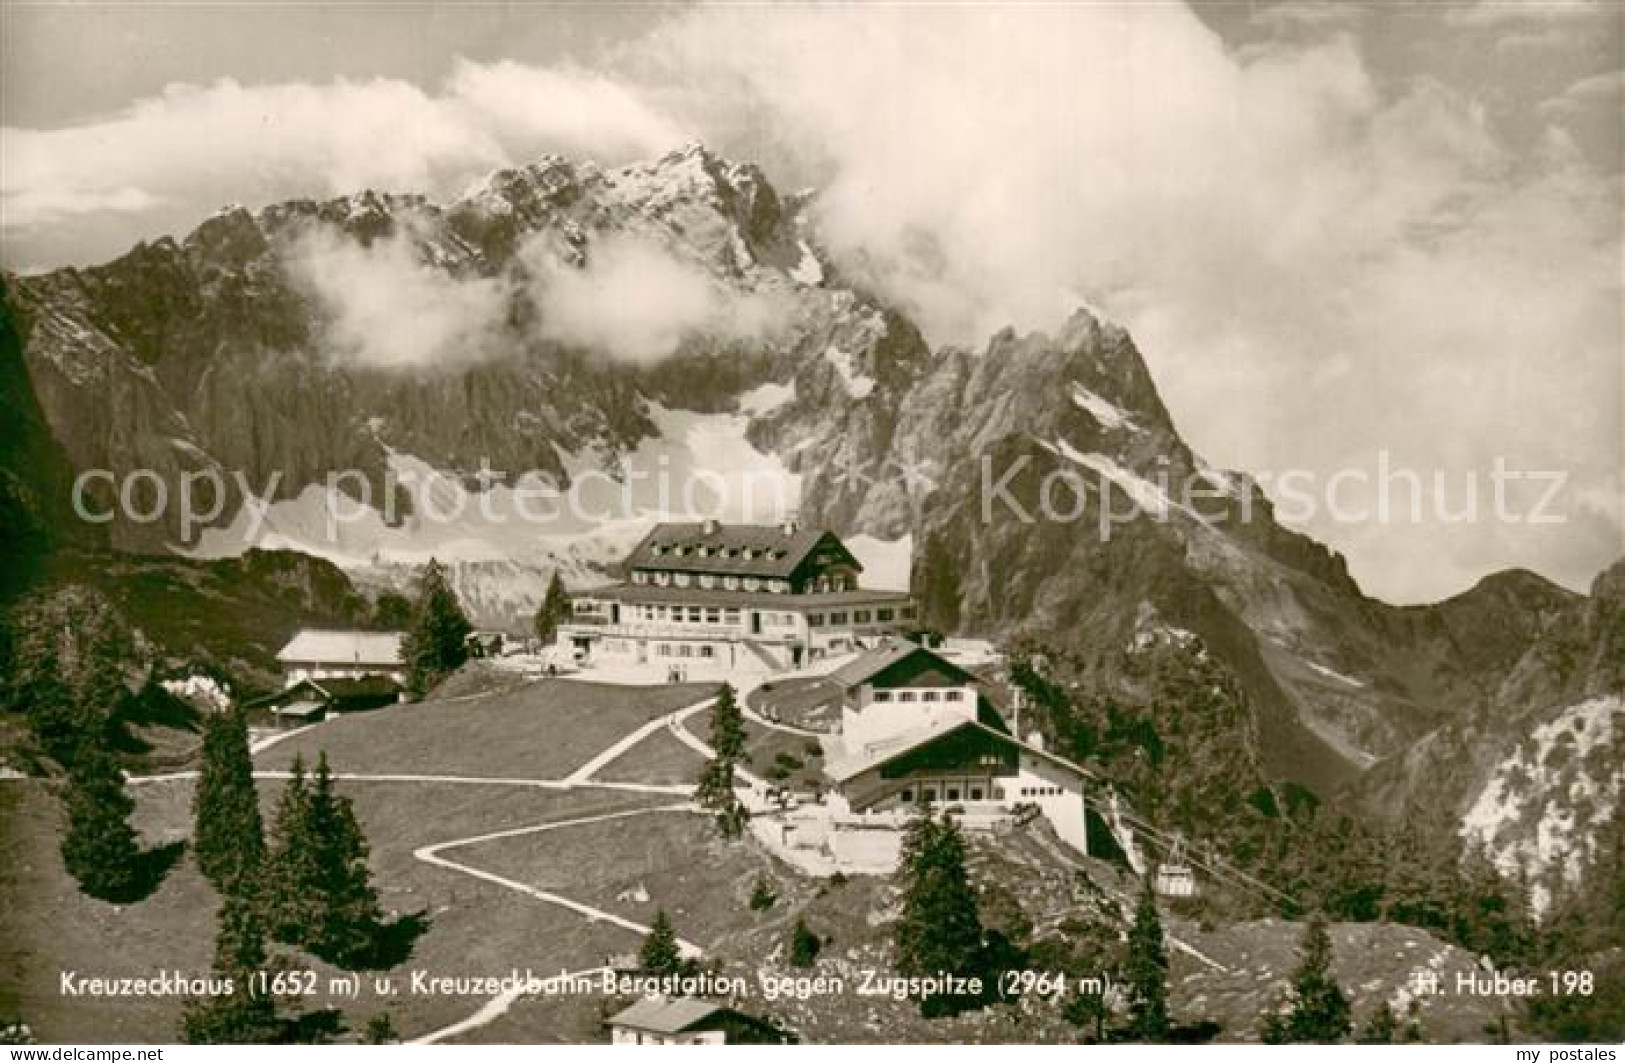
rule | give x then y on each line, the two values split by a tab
1092	522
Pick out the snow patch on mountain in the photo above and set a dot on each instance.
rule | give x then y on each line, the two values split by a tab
885	562
1538	815
505	535
1108	414
1146	495
808	270
1332	674
763	400
858	385
710	469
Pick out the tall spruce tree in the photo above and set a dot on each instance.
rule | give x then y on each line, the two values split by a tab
350	918
319	890
243	1016
100	849
661	953
293	910
940	930
1319	1010
939	582
227	836
727	725
553	610
1145	971
437	643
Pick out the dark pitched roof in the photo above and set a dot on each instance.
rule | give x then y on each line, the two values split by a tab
366	686
337	689
720	549
871	664
876	754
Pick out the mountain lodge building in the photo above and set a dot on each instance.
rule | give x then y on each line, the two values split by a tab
914	729
709	599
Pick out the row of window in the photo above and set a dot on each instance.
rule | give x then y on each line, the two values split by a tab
685	649
919	695
709	581
858	616
973	792
745	553
950	793
686	614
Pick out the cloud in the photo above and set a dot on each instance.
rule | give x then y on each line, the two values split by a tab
386	305
635	301
46	206
1488	14
1599	90
1308	14
386	308
1318	263
230	142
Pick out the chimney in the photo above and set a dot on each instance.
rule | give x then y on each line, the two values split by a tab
708	526
790	525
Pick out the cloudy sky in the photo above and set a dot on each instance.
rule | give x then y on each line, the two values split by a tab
1342	234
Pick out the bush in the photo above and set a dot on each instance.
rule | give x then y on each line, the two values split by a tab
762	896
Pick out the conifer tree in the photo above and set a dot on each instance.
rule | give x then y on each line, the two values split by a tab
1145	970
715	791
349	905
940	929
68	656
292	912
381	1030
318	887
244	1015
804	945
918	837
1381	1027
100	849
437	643
661	954
1319	1010
1491	912
553	610
939	583
392	612
727	725
228	836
